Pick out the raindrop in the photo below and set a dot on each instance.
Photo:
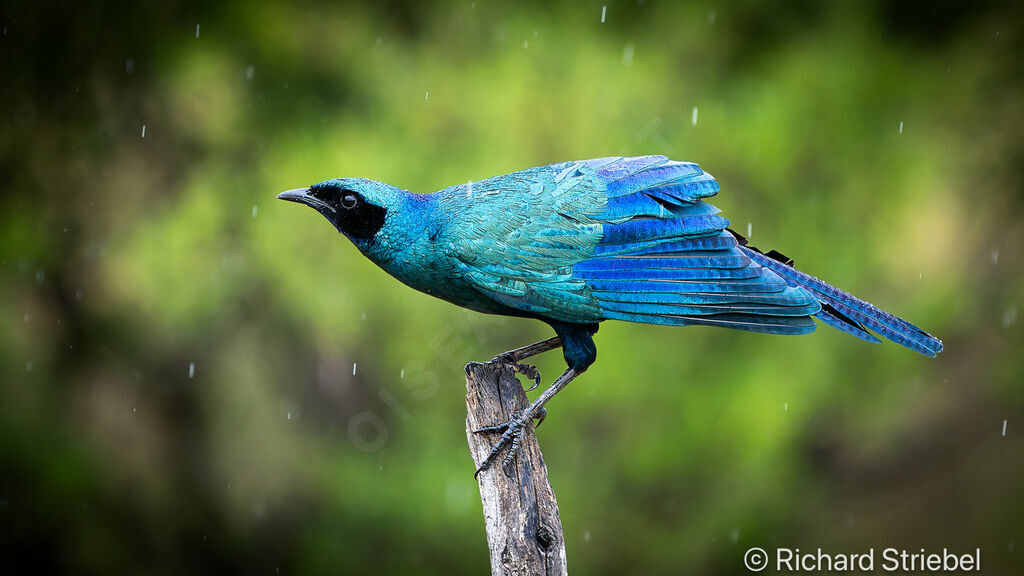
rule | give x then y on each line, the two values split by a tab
627	54
26	318
693	118
133	410
40	276
129	66
604	10
289	415
364	315
995	257
786	406
734	535
750	229
526	44
427	95
586	536
191	369
143	130
197	31
901	127
402	374
255	210
353	368
1010	316
249	71
1004	428
28	368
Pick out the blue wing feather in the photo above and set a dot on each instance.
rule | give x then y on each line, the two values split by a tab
664	257
634	231
666	261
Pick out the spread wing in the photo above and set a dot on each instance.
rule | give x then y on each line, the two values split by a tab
618	238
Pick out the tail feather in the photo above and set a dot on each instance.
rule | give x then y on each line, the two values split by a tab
851	314
839	321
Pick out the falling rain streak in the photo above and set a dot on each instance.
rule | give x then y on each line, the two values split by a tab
604	10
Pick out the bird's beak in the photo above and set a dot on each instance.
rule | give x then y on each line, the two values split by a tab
302	196
297	195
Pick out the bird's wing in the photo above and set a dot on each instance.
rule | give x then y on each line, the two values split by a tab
616	238
517	236
665	256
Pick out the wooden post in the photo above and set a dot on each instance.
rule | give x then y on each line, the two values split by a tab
524	531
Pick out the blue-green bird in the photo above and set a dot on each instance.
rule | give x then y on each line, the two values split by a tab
577	243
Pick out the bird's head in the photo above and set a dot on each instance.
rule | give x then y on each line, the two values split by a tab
357	207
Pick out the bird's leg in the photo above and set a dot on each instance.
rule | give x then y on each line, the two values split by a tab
512	358
512	431
530	350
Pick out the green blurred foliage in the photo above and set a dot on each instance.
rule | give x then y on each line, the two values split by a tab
200	379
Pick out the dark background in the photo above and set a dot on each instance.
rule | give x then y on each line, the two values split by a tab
197	378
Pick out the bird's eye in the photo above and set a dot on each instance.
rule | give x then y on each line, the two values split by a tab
349	201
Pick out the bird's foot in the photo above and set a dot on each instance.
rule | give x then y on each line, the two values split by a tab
511	436
507	359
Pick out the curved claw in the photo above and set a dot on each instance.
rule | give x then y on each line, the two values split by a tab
527	370
541	415
530	372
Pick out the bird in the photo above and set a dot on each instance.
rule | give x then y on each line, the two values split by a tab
577	243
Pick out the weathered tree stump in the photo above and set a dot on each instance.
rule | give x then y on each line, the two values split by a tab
524	531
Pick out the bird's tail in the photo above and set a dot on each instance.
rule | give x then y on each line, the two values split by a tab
847	312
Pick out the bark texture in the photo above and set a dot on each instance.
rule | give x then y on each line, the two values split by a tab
524	531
